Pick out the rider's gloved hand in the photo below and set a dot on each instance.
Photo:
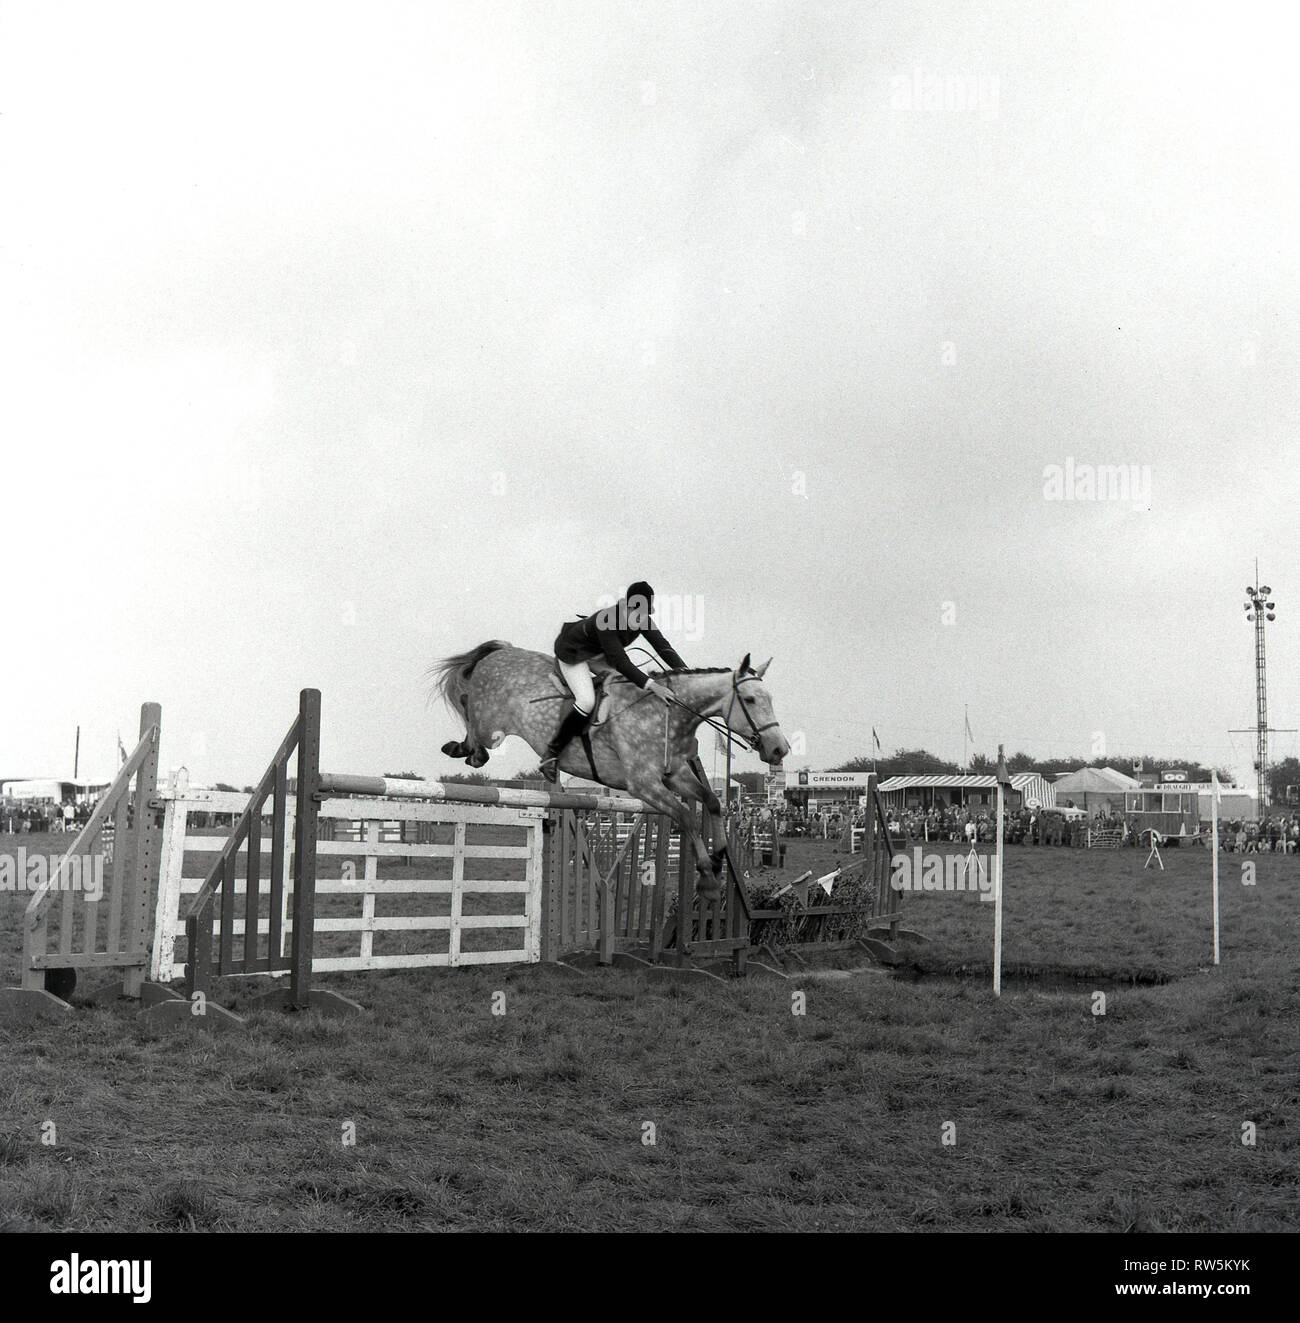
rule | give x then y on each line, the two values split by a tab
654	687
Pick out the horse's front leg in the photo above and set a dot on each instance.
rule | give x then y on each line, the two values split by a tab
682	811
691	783
693	791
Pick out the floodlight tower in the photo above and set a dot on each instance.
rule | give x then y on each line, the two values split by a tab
1259	608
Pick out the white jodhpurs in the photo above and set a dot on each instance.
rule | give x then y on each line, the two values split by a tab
577	675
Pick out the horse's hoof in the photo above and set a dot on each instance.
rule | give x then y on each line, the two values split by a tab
454	749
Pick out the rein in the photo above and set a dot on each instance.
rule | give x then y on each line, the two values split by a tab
749	741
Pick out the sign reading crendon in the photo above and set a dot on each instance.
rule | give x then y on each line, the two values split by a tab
816	779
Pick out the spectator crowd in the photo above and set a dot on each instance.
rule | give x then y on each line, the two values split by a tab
27	815
1278	834
1275	835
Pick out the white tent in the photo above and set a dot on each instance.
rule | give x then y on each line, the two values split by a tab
1095	788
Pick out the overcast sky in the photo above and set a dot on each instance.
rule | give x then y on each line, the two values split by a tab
341	337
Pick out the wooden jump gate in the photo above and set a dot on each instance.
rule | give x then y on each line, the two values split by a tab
64	930
581	879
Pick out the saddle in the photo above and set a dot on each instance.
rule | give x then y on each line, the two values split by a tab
600	675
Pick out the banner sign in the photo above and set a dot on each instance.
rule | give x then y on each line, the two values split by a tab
831	780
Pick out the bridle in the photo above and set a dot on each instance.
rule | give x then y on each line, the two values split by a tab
754	731
749	740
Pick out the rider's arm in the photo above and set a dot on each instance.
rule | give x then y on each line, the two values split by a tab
661	645
612	646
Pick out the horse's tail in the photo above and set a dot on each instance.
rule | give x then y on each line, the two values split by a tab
451	675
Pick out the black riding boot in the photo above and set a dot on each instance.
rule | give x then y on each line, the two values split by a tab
572	725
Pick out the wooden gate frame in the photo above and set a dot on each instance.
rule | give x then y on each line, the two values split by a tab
622	925
90	936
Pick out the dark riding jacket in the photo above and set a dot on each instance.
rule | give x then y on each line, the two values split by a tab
581	640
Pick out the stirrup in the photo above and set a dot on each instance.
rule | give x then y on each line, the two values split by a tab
551	769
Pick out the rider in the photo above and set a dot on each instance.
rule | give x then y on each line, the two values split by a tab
606	633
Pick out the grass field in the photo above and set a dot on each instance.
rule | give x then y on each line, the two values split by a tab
761	1119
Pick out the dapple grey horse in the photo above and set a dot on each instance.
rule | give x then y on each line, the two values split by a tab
638	743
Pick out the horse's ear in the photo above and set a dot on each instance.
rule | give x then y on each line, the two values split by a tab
762	668
744	666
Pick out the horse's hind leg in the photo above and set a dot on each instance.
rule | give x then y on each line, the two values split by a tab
473	752
474	755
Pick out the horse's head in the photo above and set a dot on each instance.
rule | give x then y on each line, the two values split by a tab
749	712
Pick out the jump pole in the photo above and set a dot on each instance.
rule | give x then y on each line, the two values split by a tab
1214	857
997	906
997	888
456	792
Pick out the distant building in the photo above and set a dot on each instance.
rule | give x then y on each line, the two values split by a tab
811	790
1188	804
966	790
53	790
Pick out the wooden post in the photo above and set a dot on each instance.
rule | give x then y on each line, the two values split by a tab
140	884
997	889
198	969
660	901
279	829
1214	857
551	891
997	905
252	890
870	844
685	898
304	869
